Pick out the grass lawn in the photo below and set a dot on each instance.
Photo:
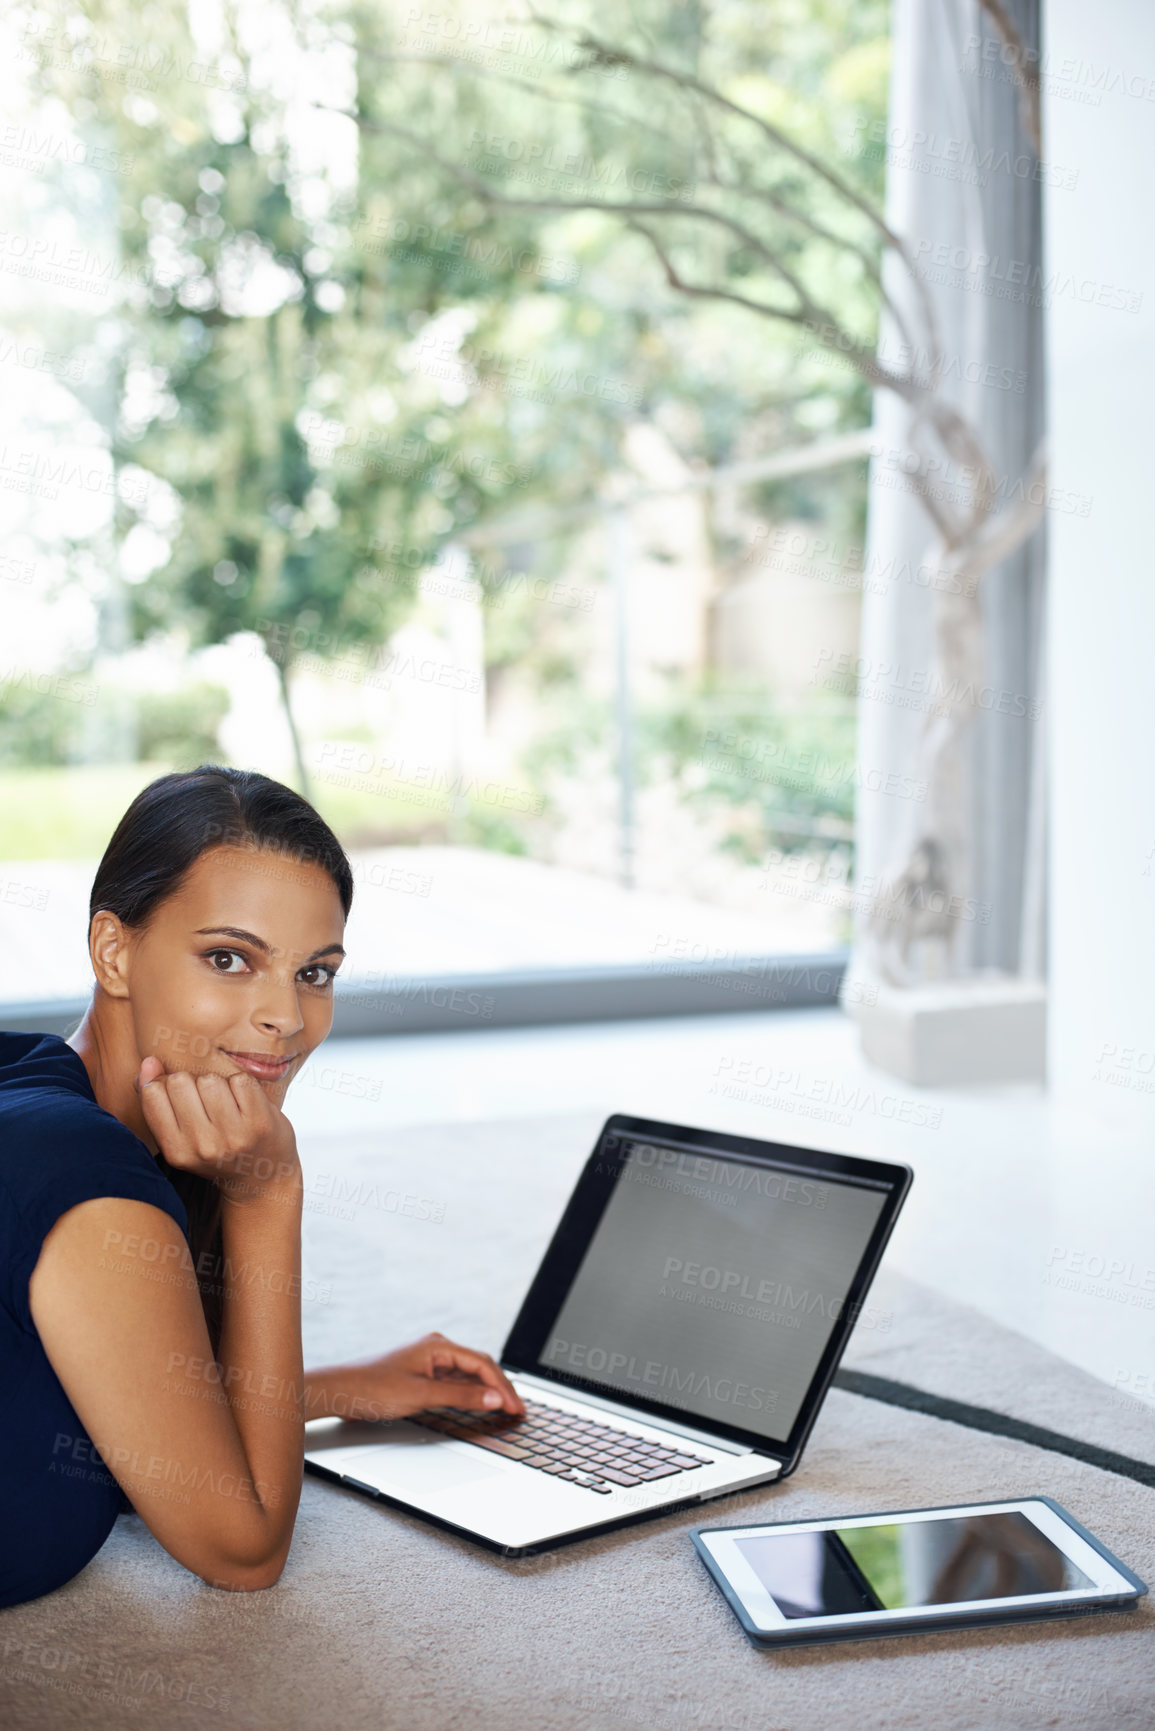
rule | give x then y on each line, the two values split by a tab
67	813
70	813
383	814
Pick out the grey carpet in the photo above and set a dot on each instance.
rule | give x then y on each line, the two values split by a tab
381	1621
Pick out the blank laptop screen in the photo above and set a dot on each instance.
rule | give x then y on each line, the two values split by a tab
714	1285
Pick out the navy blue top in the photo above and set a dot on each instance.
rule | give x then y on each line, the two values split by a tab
57	1148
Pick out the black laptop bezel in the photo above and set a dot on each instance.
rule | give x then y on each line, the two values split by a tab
583	1213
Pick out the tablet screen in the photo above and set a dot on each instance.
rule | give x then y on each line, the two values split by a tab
900	1564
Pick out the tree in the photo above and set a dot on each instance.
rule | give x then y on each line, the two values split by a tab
333	357
273	392
746	214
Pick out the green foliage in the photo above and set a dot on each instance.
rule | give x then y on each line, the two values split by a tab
66	813
781	779
52	726
339	352
38	727
481	827
284	353
788	776
180	727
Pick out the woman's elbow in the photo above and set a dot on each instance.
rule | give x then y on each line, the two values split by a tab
252	1578
244	1568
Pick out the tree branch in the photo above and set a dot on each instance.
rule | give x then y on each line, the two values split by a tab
604	54
1027	68
450	63
1006	534
808	313
953	433
763	195
943	518
713	178
860	356
961	442
820	232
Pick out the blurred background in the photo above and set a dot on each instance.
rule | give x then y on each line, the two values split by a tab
353	435
672	491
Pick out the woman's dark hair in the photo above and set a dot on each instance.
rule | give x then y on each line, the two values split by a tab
178	817
166	829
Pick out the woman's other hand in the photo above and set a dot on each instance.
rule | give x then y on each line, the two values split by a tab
225	1128
432	1372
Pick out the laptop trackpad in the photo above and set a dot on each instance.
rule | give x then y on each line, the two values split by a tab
410	1460
420	1468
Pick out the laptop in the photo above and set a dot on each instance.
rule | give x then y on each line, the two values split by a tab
676	1343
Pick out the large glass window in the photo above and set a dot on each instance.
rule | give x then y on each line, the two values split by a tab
418	408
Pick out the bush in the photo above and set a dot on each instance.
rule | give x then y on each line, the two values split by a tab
791	775
180	727
39	728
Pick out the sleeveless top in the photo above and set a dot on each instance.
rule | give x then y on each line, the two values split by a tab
57	1148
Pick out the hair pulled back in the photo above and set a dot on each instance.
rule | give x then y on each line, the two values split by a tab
179	817
166	829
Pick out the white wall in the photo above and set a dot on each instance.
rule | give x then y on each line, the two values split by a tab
1102	628
1099	123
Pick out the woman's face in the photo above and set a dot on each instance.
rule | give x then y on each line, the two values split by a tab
234	972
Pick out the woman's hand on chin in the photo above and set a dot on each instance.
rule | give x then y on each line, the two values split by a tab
432	1372
225	1128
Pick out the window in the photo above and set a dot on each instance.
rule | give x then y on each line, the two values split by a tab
390	456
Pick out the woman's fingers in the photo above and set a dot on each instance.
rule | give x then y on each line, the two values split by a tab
253	1105
432	1372
223	1111
211	1124
450	1362
150	1070
191	1115
158	1112
176	1116
468	1396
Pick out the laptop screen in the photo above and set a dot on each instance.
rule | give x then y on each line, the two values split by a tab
713	1284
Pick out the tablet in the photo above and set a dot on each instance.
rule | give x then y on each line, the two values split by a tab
906	1570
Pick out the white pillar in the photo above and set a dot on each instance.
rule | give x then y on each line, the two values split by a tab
1101	267
1099	119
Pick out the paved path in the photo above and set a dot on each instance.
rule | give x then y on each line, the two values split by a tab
423	911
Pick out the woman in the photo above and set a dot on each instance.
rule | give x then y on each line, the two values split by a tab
150	1204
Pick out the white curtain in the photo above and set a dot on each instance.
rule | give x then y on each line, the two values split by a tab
964	191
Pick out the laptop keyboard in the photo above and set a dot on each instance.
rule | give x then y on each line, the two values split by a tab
579	1450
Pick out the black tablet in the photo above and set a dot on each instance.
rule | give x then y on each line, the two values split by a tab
907	1570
